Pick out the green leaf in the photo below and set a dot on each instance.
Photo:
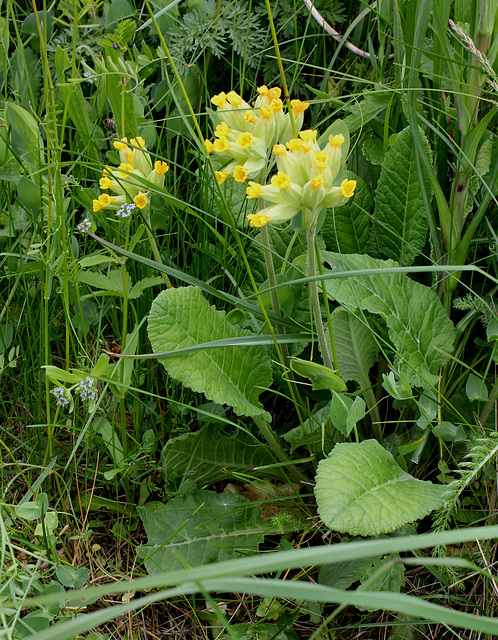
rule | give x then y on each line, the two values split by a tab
72	578
347	228
111	284
321	377
73	98
400	214
356	347
419	327
29	194
362	112
378	497
229	375
476	388
199	459
200	528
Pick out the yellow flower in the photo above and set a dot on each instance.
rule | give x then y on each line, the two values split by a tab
222	130
240	174
249	117
281	180
276	105
336	141
258	219
320	160
221	176
221	144
140	200
266	112
106	199
138	142
234	99
121	144
317	182
304	182
97	206
124	166
309	135
263	90
209	146
298	107
295	145
106	183
245	140
253	190
274	94
348	187
161	167
219	100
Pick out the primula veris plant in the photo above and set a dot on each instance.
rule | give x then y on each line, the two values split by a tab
304	181
244	134
128	180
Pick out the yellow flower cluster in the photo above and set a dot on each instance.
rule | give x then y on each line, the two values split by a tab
304	181
244	134
127	180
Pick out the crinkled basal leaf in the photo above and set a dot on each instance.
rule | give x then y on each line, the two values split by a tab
360	489
356	347
235	376
419	327
347	228
400	214
206	456
200	528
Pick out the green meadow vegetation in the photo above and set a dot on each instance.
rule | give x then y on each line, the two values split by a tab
248	333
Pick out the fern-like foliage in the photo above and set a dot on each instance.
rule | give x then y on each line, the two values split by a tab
483	450
235	28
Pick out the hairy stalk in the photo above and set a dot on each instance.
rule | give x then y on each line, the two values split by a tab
153	246
270	269
315	299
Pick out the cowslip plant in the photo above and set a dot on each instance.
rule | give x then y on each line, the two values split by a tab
128	181
245	134
308	182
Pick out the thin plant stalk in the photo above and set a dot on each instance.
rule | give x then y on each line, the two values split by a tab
315	299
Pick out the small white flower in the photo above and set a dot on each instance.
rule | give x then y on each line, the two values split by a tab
125	210
85	226
86	389
89	77
59	394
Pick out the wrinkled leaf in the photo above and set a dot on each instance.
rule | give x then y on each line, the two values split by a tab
419	327
228	375
199	528
360	489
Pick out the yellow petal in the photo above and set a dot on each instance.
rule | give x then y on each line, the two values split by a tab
258	219
140	200
240	174
348	187
221	176
253	190
281	180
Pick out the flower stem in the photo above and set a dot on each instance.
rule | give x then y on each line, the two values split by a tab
284	350
153	246
315	299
